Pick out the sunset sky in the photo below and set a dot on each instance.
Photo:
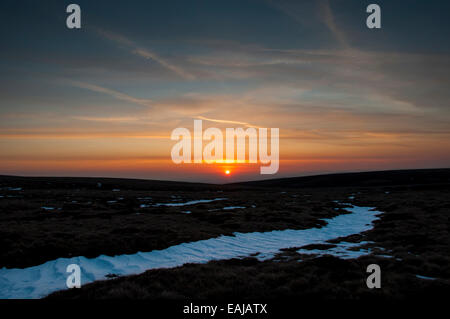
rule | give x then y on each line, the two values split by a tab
103	100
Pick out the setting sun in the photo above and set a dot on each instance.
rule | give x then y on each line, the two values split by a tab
227	172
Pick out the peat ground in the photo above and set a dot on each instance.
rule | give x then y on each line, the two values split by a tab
44	219
413	234
410	242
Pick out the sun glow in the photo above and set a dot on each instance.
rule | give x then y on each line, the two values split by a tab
227	172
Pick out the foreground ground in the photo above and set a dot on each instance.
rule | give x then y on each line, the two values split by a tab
44	219
410	242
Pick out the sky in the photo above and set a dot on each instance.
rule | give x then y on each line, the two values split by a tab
103	100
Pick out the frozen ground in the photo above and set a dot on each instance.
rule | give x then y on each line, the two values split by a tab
39	281
192	202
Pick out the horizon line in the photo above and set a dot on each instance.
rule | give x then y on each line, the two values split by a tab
231	183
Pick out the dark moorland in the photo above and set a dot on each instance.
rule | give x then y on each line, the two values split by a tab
46	218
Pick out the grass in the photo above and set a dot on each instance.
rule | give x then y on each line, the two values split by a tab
89	220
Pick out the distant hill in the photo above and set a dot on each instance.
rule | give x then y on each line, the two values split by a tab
377	178
363	179
97	182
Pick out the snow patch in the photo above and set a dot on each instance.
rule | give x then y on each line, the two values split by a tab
39	281
192	202
425	277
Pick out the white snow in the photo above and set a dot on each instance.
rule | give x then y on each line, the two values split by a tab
39	281
14	188
425	277
192	202
47	208
384	256
344	250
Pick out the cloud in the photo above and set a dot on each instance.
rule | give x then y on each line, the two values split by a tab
112	93
153	56
226	121
144	53
106	119
300	12
346	78
329	20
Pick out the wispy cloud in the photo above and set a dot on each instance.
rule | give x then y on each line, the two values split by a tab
296	11
75	132
172	67
106	119
145	53
226	121
329	20
112	93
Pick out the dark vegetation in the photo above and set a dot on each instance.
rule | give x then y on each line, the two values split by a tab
46	218
418	177
410	239
410	242
324	277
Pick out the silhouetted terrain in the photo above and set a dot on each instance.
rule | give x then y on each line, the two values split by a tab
45	218
409	178
410	243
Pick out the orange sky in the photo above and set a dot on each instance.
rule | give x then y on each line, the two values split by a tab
103	100
141	157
